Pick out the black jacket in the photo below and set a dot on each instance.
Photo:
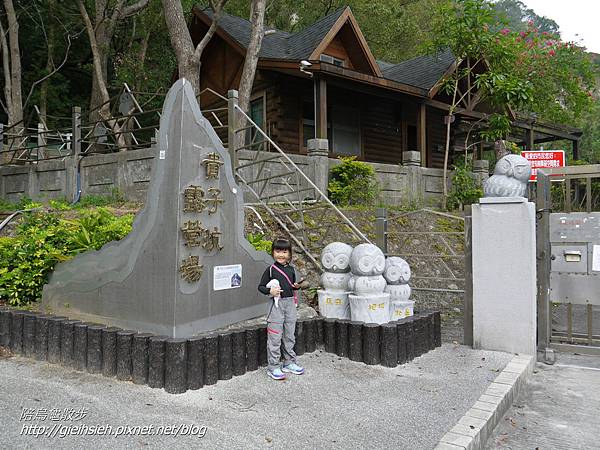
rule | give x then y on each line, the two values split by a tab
270	274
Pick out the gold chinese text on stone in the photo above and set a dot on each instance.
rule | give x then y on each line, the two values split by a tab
212	163
195	200
195	235
191	269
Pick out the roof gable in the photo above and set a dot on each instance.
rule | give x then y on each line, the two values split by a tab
347	30
306	44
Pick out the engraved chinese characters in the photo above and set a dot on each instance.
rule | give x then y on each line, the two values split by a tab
195	235
333	299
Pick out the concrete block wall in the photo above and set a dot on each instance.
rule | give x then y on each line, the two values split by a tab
130	172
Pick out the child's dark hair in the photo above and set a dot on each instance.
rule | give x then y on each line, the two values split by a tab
281	244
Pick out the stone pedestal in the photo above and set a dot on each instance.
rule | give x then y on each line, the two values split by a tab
318	163
334	304
504	275
370	308
412	163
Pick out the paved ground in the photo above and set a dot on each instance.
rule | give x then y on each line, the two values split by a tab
336	404
559	409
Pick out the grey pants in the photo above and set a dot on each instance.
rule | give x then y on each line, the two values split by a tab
281	326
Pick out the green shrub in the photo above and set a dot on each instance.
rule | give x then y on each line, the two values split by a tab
352	183
24	203
44	239
96	227
259	242
464	189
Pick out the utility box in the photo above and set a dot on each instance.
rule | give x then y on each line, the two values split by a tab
575	257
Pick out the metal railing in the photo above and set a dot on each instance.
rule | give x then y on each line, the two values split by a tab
282	188
435	261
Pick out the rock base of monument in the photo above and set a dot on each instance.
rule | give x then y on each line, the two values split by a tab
334	304
178	365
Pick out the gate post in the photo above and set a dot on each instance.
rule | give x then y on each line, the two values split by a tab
72	162
232	103
544	205
504	275
468	306
381	229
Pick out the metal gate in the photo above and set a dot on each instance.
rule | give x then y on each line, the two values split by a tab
568	259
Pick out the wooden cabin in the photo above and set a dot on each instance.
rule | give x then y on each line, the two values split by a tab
324	82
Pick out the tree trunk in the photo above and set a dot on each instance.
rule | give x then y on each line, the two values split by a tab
13	95
188	57
103	29
15	100
447	149
257	18
49	65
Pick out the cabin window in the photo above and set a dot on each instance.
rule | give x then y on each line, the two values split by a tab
332	60
257	111
257	114
345	134
308	123
411	138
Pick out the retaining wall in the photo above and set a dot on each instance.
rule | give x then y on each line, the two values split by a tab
129	173
181	364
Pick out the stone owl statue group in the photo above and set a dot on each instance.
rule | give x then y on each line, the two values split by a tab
362	285
510	178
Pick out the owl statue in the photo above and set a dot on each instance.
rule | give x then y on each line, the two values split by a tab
510	178
338	282
367	259
335	257
397	271
333	298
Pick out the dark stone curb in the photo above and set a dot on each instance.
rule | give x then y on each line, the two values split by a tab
178	365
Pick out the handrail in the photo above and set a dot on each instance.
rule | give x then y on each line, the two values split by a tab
303	175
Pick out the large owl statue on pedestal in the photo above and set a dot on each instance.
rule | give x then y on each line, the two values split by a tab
510	178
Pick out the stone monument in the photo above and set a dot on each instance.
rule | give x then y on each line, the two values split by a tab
397	274
333	298
369	303
186	266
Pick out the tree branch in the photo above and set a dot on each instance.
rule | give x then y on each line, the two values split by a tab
217	10
134	9
56	69
95	53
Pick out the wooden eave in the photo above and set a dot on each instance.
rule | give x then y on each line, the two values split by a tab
347	16
219	31
438	85
341	72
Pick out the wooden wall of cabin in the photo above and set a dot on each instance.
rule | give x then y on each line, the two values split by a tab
381	130
436	138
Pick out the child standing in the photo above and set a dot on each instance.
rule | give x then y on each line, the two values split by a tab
281	320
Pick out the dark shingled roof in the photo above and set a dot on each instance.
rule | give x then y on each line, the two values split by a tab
279	44
422	72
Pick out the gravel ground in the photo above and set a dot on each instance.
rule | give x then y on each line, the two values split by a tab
336	404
